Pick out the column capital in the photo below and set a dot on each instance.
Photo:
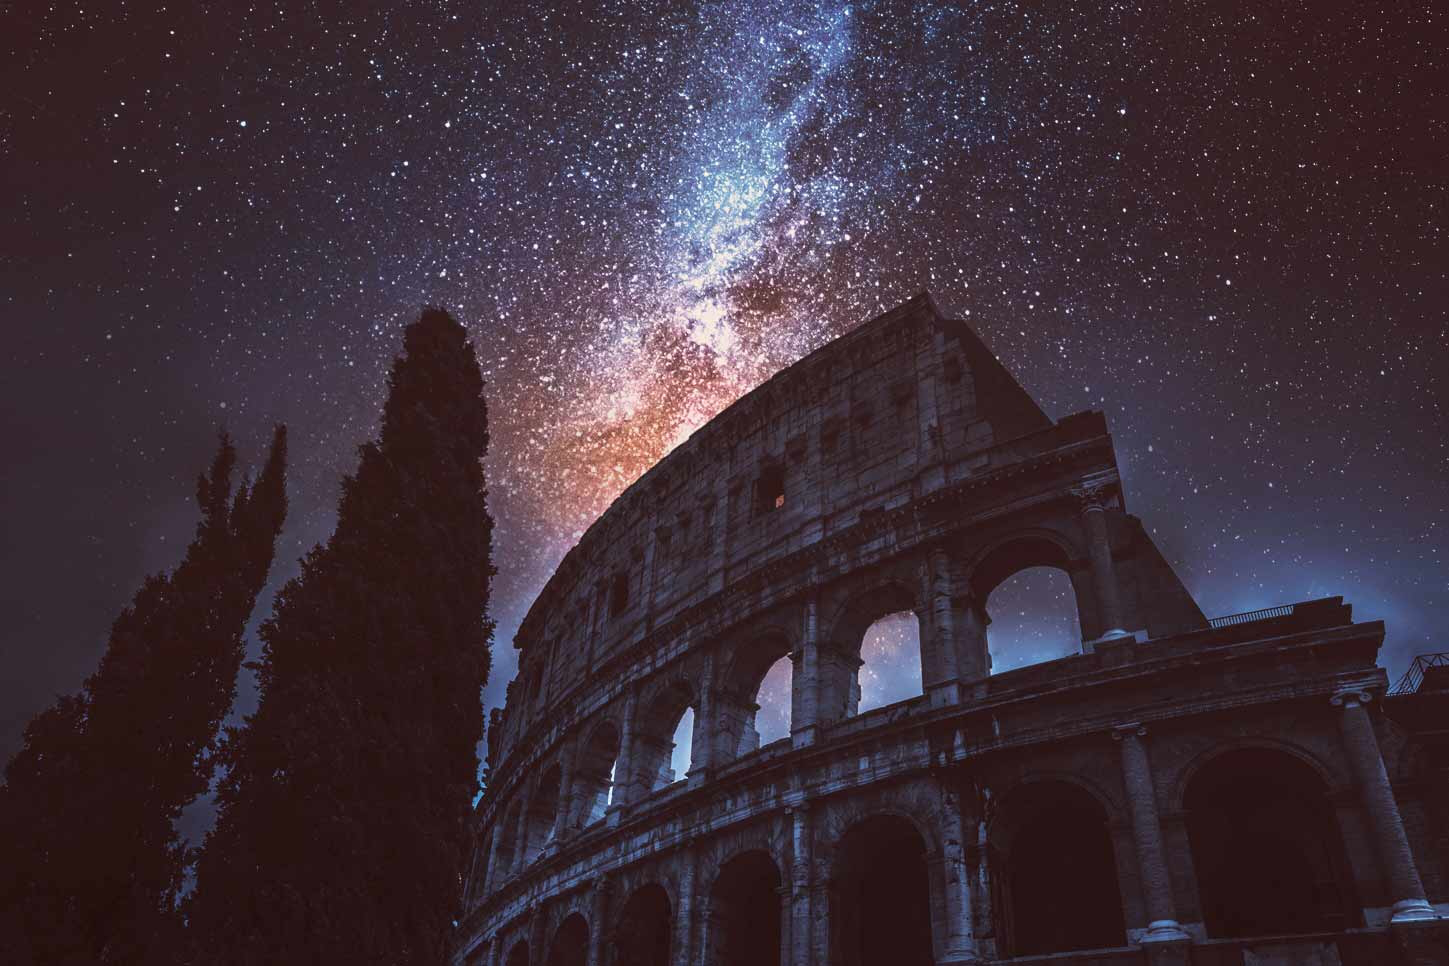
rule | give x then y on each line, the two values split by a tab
1351	697
1132	729
1094	492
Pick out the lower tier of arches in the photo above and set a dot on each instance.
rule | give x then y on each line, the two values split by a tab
1257	839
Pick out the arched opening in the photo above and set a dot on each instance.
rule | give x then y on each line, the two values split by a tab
772	701
507	832
890	661
518	955
744	912
753	707
880	896
542	813
1265	847
571	943
595	772
1025	590
1033	618
665	742
478	885
642	935
1058	888
681	752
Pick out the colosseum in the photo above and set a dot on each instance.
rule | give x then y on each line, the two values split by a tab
1245	789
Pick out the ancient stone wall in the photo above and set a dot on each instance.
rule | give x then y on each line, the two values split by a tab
901	468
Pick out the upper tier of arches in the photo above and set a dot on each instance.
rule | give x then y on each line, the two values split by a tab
785	530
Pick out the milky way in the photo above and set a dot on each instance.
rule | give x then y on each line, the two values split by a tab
1223	227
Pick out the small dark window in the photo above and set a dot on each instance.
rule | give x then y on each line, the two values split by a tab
618	594
829	435
770	490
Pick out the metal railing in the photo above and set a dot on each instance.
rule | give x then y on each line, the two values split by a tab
1253	615
1414	676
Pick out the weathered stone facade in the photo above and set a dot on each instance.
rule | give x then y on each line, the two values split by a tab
1216	792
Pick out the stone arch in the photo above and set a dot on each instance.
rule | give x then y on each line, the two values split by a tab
1003	820
570	946
745	922
642	932
1019	551
864	603
1265	846
1054	883
543	812
658	718
879	891
508	845
595	778
1331	779
737	698
915	802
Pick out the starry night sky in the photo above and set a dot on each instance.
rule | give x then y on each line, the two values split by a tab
1221	224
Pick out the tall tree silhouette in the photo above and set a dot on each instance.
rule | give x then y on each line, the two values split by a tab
90	862
342	820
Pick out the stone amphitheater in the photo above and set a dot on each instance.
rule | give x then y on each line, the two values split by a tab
1241	790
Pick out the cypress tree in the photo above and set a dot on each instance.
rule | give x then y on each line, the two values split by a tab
90	861
342	819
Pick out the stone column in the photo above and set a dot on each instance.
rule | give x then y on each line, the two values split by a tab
805	679
684	915
702	741
984	914
598	920
495	950
1386	826
536	938
940	675
1093	496
800	885
1162	924
623	790
561	823
960	930
787	904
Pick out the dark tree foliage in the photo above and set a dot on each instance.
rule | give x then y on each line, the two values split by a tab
90	862
343	818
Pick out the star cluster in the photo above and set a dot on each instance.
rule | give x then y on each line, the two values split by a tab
1221	224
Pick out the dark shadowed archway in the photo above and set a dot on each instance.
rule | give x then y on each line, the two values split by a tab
641	937
744	913
1265	847
518	955
1056	887
571	943
880	896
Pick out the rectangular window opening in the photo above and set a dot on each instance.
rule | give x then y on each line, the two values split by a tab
770	490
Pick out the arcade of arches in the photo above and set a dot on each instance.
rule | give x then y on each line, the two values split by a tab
783	704
1052	869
